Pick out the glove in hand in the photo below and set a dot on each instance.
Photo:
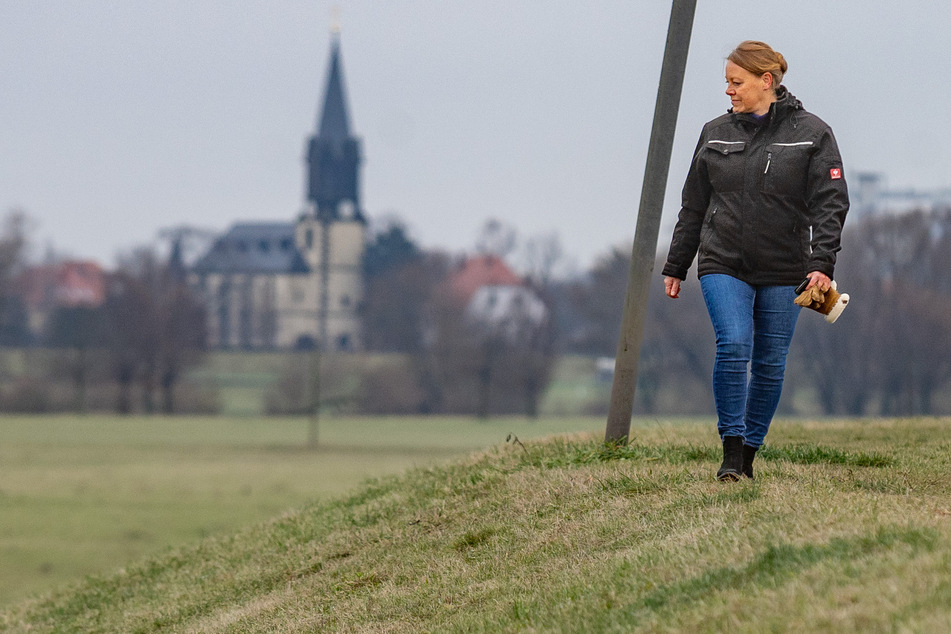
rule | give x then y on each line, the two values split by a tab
830	303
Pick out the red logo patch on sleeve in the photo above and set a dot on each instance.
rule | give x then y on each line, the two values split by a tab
835	173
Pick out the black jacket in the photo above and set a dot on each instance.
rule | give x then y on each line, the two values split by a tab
764	201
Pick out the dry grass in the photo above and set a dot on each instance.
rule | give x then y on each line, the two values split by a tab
846	529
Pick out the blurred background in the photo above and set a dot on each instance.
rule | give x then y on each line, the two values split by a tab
253	253
438	198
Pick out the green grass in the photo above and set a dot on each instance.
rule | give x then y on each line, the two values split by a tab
84	495
847	528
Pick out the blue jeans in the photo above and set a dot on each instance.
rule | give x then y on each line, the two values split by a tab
754	326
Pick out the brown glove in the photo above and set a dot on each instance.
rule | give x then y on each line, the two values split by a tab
811	298
830	303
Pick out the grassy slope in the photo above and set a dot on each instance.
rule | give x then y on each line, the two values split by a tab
847	528
85	495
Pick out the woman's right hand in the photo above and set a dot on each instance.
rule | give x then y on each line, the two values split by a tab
672	287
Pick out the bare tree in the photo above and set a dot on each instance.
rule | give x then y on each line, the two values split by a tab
443	364
394	307
599	299
13	243
157	330
839	362
487	363
891	345
676	353
181	339
79	331
13	252
542	256
125	309
533	351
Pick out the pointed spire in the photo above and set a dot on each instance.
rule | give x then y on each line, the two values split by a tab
334	121
333	154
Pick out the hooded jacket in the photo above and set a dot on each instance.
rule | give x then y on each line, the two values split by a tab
764	200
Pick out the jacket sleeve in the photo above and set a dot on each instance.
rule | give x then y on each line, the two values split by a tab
695	199
827	203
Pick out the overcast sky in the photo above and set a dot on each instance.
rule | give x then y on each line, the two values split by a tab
122	117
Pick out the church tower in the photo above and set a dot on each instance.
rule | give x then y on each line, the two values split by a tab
330	233
284	285
333	155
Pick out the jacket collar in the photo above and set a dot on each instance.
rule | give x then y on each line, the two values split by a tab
785	104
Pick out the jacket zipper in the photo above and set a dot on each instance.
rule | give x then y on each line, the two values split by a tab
769	155
709	228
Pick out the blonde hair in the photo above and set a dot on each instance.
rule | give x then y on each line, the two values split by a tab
760	58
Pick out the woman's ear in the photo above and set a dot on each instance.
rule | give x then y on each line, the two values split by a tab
767	81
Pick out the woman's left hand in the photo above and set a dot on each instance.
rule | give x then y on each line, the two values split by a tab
821	279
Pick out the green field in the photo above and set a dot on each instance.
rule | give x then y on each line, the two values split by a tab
84	495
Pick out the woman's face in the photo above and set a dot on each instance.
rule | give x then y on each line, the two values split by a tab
748	92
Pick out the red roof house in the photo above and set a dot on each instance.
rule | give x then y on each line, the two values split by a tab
479	271
65	284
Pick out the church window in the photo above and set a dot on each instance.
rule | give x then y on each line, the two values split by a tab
345	301
264	245
309	238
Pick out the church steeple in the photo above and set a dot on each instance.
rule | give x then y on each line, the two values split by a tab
333	155
334	122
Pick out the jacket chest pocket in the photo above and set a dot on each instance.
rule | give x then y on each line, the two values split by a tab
787	166
725	161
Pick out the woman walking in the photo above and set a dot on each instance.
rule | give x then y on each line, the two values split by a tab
763	204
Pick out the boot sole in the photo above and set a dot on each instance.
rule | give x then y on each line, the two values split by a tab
728	477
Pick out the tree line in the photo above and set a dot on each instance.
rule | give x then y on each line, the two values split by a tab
458	362
887	355
126	354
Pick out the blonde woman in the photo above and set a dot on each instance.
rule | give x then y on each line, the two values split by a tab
763	205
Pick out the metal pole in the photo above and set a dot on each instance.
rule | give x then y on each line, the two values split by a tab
322	345
648	220
313	418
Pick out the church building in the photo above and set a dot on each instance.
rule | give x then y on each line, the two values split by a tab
276	285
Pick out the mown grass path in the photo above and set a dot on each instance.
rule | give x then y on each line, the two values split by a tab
846	528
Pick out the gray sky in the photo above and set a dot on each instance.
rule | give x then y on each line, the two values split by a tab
121	117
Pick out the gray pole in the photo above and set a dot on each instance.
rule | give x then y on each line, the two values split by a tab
322	345
313	418
648	219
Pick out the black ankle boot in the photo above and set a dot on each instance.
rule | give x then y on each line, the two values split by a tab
732	467
749	454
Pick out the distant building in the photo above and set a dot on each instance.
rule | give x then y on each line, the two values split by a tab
492	294
297	284
870	196
68	284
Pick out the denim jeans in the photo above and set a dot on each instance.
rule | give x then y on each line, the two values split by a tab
754	326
